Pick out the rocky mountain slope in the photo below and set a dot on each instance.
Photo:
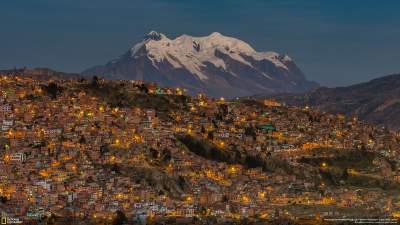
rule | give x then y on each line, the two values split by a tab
215	64
376	101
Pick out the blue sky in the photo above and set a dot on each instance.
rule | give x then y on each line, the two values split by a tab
336	43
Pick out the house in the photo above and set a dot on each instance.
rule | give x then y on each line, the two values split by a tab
18	157
6	108
266	127
2	96
52	132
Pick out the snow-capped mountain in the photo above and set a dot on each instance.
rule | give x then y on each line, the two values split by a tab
215	64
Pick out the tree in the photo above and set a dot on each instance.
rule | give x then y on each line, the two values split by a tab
53	90
120	218
143	89
210	135
223	110
203	130
345	174
250	131
95	81
82	140
166	155
3	199
181	182
103	149
51	220
154	153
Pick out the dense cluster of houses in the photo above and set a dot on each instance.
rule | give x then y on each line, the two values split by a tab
75	156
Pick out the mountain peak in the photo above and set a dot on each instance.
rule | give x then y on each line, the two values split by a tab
154	35
216	34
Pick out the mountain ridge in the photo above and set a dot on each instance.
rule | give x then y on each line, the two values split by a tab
377	100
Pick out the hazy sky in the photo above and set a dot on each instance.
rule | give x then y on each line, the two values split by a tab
337	42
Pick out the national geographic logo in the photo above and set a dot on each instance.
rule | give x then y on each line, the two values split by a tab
10	220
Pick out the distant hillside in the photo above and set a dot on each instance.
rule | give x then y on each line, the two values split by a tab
40	73
377	101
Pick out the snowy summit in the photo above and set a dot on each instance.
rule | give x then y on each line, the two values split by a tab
193	52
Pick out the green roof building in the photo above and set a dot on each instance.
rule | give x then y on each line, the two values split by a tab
267	127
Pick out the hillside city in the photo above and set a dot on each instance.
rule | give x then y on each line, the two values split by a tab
95	151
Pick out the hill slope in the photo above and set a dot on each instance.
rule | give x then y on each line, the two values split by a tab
121	147
376	101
